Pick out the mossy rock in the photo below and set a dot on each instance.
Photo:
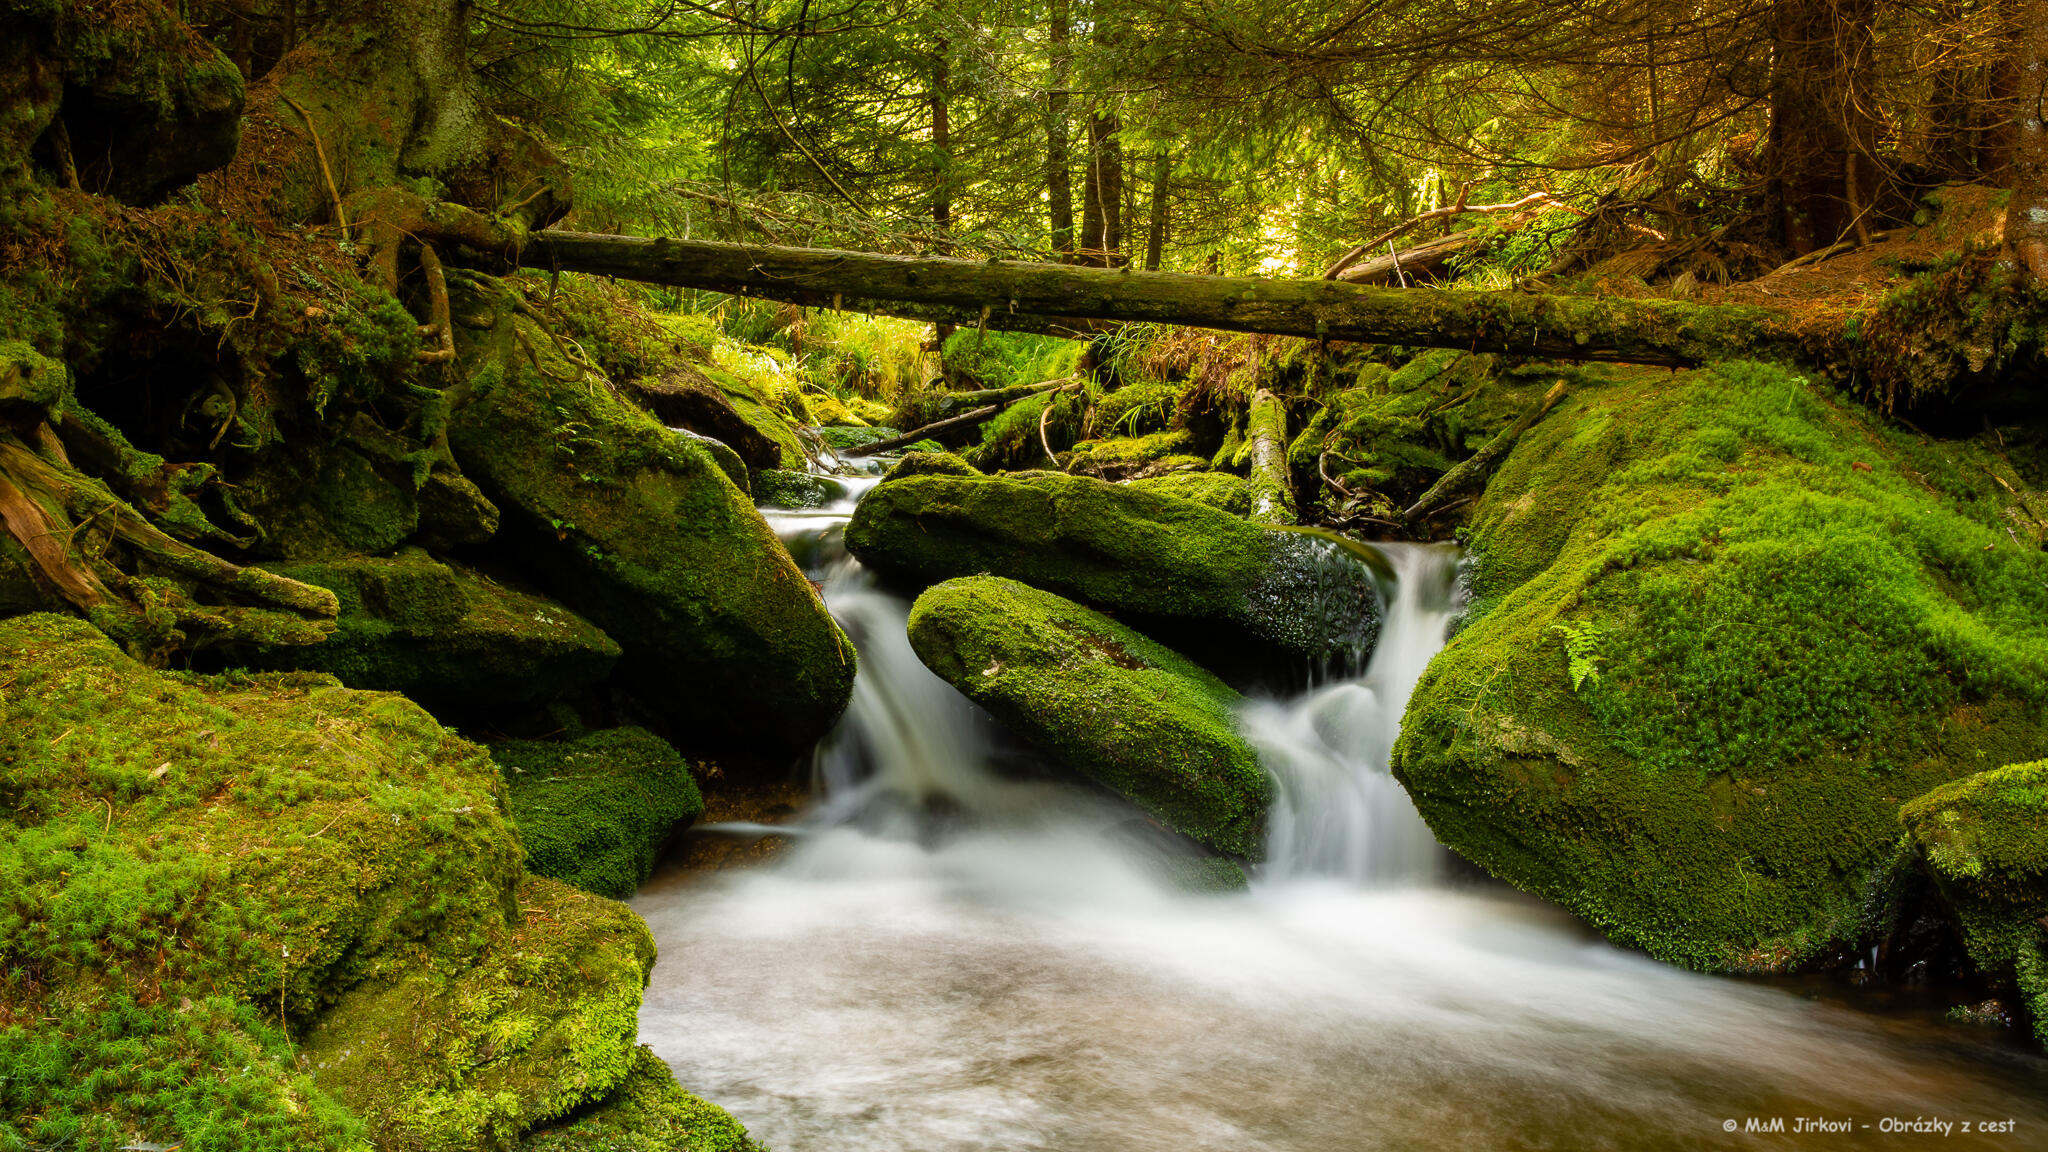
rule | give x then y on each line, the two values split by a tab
444	634
932	463
449	1057
330	500
1984	839
840	439
1219	490
760	414
650	1112
776	488
1129	713
1122	549
190	861
1725	624
640	531
594	812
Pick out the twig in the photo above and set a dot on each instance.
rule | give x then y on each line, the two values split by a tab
1045	441
1396	258
320	153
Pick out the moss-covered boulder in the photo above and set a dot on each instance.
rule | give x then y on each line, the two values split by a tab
1219	490
1122	549
272	913
1725	624
779	488
446	635
1984	839
594	812
190	864
640	531
1129	713
648	1113
455	1054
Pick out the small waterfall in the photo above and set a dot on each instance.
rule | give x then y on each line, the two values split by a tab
1337	810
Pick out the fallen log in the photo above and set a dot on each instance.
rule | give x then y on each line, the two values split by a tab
955	423
1035	297
1475	467
1271	482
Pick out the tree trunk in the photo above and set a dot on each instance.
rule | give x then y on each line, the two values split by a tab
1102	227
1155	232
2026	215
1031	297
1059	179
1822	177
942	190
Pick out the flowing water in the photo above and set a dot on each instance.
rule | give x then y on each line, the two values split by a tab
953	958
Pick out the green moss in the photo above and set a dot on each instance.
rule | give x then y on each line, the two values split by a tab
593	812
1121	549
448	1057
445	634
753	406
1138	408
266	842
1123	454
1985	840
648	1113
1219	490
1131	714
939	463
641	532
775	488
1778	632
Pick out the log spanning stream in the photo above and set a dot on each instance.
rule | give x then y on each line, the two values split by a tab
955	955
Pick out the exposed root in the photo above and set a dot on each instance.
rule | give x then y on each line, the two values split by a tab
326	172
440	325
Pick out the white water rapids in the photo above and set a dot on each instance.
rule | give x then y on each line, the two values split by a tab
950	959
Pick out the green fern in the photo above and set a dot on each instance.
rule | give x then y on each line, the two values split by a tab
1582	650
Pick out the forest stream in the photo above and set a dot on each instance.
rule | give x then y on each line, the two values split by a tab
950	958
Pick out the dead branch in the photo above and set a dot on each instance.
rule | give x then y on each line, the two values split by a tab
1533	200
320	154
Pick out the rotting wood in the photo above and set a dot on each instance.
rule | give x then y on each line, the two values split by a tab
1272	484
1035	297
1481	462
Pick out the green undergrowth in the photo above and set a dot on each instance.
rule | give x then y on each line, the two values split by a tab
594	812
1725	623
1121	709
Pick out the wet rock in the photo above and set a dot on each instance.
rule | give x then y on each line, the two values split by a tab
446	635
1984	839
776	488
1125	711
1122	549
594	812
1723	625
642	533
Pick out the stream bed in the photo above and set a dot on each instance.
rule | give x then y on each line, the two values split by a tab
951	958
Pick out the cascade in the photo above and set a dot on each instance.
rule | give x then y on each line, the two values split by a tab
1024	980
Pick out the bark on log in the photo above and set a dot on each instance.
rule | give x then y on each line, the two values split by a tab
1033	297
1271	482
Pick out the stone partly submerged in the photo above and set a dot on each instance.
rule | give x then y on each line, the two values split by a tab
1984	839
595	811
1724	626
640	531
1182	566
1111	704
270	912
